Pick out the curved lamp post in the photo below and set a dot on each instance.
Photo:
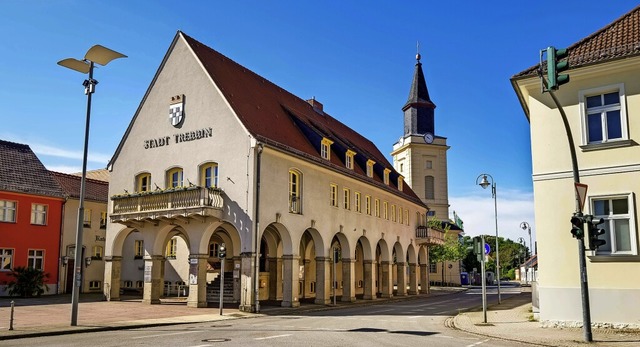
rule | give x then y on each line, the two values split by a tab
484	183
523	252
527	227
95	55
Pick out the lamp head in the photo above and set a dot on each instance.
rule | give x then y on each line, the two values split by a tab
87	261
484	183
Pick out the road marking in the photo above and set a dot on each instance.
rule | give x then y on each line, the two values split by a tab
160	335
271	337
477	343
380	311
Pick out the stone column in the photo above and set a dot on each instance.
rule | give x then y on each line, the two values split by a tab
291	280
401	276
413	279
424	278
198	280
273	275
348	280
112	276
386	280
323	280
153	279
369	280
247	283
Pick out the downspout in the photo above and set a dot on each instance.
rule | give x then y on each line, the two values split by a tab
61	245
256	268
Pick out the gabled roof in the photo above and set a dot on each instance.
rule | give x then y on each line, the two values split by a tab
95	190
22	172
618	40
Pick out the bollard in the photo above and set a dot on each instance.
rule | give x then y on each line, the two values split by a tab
11	319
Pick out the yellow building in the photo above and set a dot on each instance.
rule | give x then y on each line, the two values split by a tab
600	103
307	208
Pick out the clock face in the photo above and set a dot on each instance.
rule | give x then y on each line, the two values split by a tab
428	137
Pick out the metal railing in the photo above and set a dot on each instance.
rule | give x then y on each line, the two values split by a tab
424	232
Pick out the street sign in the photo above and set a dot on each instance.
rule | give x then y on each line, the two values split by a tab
581	190
487	249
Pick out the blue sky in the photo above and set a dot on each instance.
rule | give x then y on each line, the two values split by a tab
357	58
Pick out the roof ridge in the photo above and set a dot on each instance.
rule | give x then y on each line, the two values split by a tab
93	180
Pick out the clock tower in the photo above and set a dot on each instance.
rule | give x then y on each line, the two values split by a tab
420	155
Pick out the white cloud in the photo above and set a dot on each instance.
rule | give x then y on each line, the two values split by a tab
45	150
64	168
477	212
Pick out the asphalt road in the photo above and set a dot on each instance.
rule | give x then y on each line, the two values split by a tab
420	322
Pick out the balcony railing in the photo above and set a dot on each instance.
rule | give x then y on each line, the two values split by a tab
430	236
177	201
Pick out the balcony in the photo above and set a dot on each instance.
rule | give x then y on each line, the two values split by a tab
429	236
171	204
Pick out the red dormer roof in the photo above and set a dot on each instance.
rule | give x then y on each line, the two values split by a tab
95	190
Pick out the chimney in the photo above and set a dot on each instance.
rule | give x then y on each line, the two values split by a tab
317	106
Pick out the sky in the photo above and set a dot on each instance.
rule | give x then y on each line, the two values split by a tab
357	58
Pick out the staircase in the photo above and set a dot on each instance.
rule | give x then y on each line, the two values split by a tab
213	289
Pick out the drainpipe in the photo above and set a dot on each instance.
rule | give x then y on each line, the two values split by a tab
256	268
61	248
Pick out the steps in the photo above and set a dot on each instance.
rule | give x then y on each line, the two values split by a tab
213	289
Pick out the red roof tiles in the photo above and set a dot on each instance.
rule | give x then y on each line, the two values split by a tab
94	190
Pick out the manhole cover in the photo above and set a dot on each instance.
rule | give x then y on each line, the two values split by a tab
220	339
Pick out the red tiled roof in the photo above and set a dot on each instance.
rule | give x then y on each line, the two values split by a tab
95	190
618	40
99	174
270	113
22	172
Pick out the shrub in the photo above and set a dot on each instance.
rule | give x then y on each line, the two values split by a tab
27	282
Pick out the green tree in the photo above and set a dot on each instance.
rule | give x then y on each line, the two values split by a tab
27	282
451	250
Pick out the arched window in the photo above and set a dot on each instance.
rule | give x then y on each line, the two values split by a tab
429	191
143	182
174	178
209	175
295	191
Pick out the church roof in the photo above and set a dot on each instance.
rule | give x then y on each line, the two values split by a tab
22	172
419	94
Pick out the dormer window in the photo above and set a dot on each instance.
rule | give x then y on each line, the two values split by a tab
348	159
370	167
325	148
386	176
400	183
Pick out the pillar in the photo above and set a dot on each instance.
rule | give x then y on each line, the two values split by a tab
112	276
247	282
401	276
348	280
323	280
153	279
386	279
424	278
198	280
291	280
369	280
413	279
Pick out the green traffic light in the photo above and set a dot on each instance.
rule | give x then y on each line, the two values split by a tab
554	79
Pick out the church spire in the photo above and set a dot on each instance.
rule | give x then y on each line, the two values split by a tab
419	109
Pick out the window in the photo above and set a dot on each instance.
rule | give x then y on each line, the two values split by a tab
213	249
325	148
357	198
333	197
295	198
138	249
393	213
386	176
35	259
6	259
385	210
367	204
348	159
604	114
7	211
429	187
127	284
174	178
103	220
433	268
406	217
400	215
618	225
370	164
96	252
143	182
209	175
87	218
400	183
94	284
139	284
171	248
428	164
346	198
38	214
377	207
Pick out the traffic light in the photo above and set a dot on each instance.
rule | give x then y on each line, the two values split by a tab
554	67
222	251
594	232
577	226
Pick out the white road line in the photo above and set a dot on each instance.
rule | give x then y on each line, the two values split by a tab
271	337
160	335
477	343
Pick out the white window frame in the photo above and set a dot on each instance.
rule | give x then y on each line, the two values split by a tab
295	191
138	249
333	195
94	285
367	205
370	164
33	256
172	248
97	252
358	201
325	148
386	176
582	98
86	220
349	159
6	259
4	211
39	214
346	198
609	220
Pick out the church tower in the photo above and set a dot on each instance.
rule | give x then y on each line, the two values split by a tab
420	155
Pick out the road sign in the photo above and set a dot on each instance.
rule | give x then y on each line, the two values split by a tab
581	190
487	249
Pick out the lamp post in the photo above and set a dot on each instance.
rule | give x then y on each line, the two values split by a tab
527	227
100	55
523	252
484	183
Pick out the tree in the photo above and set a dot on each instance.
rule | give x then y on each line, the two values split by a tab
451	250
27	282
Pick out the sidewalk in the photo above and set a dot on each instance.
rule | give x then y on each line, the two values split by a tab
510	321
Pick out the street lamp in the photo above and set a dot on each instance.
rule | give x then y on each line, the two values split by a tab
527	227
95	55
484	183
523	253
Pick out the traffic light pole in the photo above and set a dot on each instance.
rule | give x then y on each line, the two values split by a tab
584	283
